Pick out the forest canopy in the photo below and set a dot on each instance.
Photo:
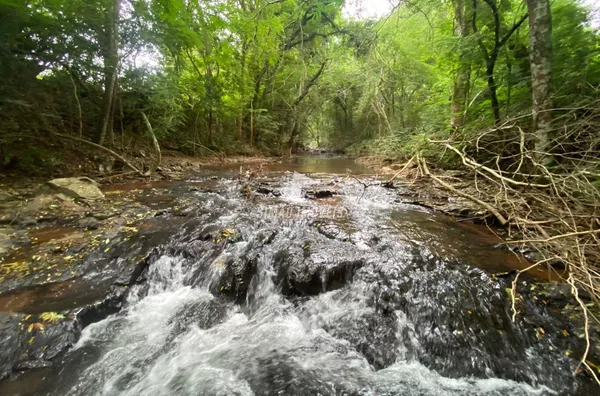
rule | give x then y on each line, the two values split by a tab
275	76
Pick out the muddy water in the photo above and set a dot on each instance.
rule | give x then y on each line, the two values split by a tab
324	164
273	293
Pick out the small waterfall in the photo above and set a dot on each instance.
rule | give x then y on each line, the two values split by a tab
247	304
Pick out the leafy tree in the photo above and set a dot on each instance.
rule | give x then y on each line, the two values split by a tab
247	75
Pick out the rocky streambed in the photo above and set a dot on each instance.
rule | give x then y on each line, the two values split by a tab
295	279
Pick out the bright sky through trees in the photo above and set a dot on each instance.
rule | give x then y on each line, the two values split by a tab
363	9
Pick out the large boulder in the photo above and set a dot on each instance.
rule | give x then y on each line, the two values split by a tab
78	188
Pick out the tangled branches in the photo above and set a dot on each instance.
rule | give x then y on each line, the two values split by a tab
549	201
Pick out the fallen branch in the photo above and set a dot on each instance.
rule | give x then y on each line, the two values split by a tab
154	143
218	154
586	328
513	289
365	186
476	166
410	161
554	238
490	208
105	149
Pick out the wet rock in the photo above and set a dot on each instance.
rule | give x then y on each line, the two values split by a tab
9	342
450	312
234	279
332	231
114	212
268	191
27	222
282	374
96	312
41	202
29	342
319	192
305	276
91	223
32	365
373	335
204	313
11	239
6	197
78	188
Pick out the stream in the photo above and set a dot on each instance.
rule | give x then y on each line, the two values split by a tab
308	282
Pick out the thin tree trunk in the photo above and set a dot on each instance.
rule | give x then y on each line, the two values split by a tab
460	90
492	56
76	95
210	127
154	143
240	132
197	111
509	68
251	125
493	88
110	132
540	43
121	117
111	59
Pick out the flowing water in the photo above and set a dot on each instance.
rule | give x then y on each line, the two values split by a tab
355	294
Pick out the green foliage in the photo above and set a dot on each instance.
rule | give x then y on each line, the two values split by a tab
241	76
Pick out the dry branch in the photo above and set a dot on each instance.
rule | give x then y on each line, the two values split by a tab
404	167
560	217
490	208
105	149
154	143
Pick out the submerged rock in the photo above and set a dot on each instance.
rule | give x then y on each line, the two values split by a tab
203	313
373	335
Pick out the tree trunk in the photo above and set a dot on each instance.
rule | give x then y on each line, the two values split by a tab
76	96
110	133
251	125
492	56
110	54
540	43
491	80
240	132
210	127
460	90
